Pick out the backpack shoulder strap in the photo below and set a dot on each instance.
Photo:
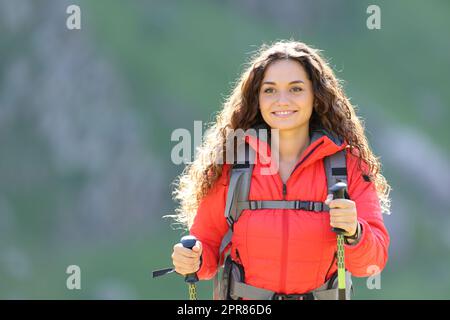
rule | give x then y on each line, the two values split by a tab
336	168
238	189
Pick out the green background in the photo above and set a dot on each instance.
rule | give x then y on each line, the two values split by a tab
86	118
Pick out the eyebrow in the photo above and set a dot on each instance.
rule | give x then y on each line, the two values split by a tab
273	83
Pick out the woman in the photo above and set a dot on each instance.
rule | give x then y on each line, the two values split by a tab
287	86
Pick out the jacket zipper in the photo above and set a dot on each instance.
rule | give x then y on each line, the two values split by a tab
285	224
306	157
284	253
298	165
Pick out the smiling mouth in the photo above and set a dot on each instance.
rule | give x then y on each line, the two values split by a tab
284	114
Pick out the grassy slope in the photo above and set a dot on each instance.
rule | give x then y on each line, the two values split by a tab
148	53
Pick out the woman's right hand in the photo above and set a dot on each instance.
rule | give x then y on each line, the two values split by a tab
185	260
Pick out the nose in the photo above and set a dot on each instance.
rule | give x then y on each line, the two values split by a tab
283	99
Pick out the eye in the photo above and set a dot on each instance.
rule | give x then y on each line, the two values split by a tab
297	89
269	90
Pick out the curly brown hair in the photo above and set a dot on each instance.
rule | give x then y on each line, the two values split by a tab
332	111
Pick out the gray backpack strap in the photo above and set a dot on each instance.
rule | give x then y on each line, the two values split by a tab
335	168
328	291
282	204
238	190
243	290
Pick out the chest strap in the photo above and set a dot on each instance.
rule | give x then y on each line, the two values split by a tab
282	204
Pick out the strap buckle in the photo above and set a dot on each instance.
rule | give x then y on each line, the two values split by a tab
305	296
302	205
318	206
230	220
308	205
254	205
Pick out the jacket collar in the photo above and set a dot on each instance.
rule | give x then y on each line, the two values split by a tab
322	143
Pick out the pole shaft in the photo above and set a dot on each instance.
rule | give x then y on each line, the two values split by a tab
341	266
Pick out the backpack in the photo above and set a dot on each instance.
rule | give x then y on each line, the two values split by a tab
231	285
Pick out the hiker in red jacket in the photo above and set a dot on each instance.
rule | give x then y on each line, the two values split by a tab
287	86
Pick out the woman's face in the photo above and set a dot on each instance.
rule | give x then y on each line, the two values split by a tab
286	96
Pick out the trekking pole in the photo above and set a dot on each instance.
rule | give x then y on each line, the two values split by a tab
339	190
190	279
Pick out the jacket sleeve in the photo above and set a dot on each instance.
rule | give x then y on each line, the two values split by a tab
210	225
371	252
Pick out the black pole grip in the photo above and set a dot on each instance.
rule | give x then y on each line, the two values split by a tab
189	242
339	190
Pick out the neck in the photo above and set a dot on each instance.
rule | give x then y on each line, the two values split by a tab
292	143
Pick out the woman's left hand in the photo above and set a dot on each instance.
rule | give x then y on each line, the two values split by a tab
343	214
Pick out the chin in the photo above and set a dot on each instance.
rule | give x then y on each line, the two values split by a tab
285	126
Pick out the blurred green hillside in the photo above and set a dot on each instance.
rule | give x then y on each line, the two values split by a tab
174	62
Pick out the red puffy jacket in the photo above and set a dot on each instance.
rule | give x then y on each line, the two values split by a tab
292	251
